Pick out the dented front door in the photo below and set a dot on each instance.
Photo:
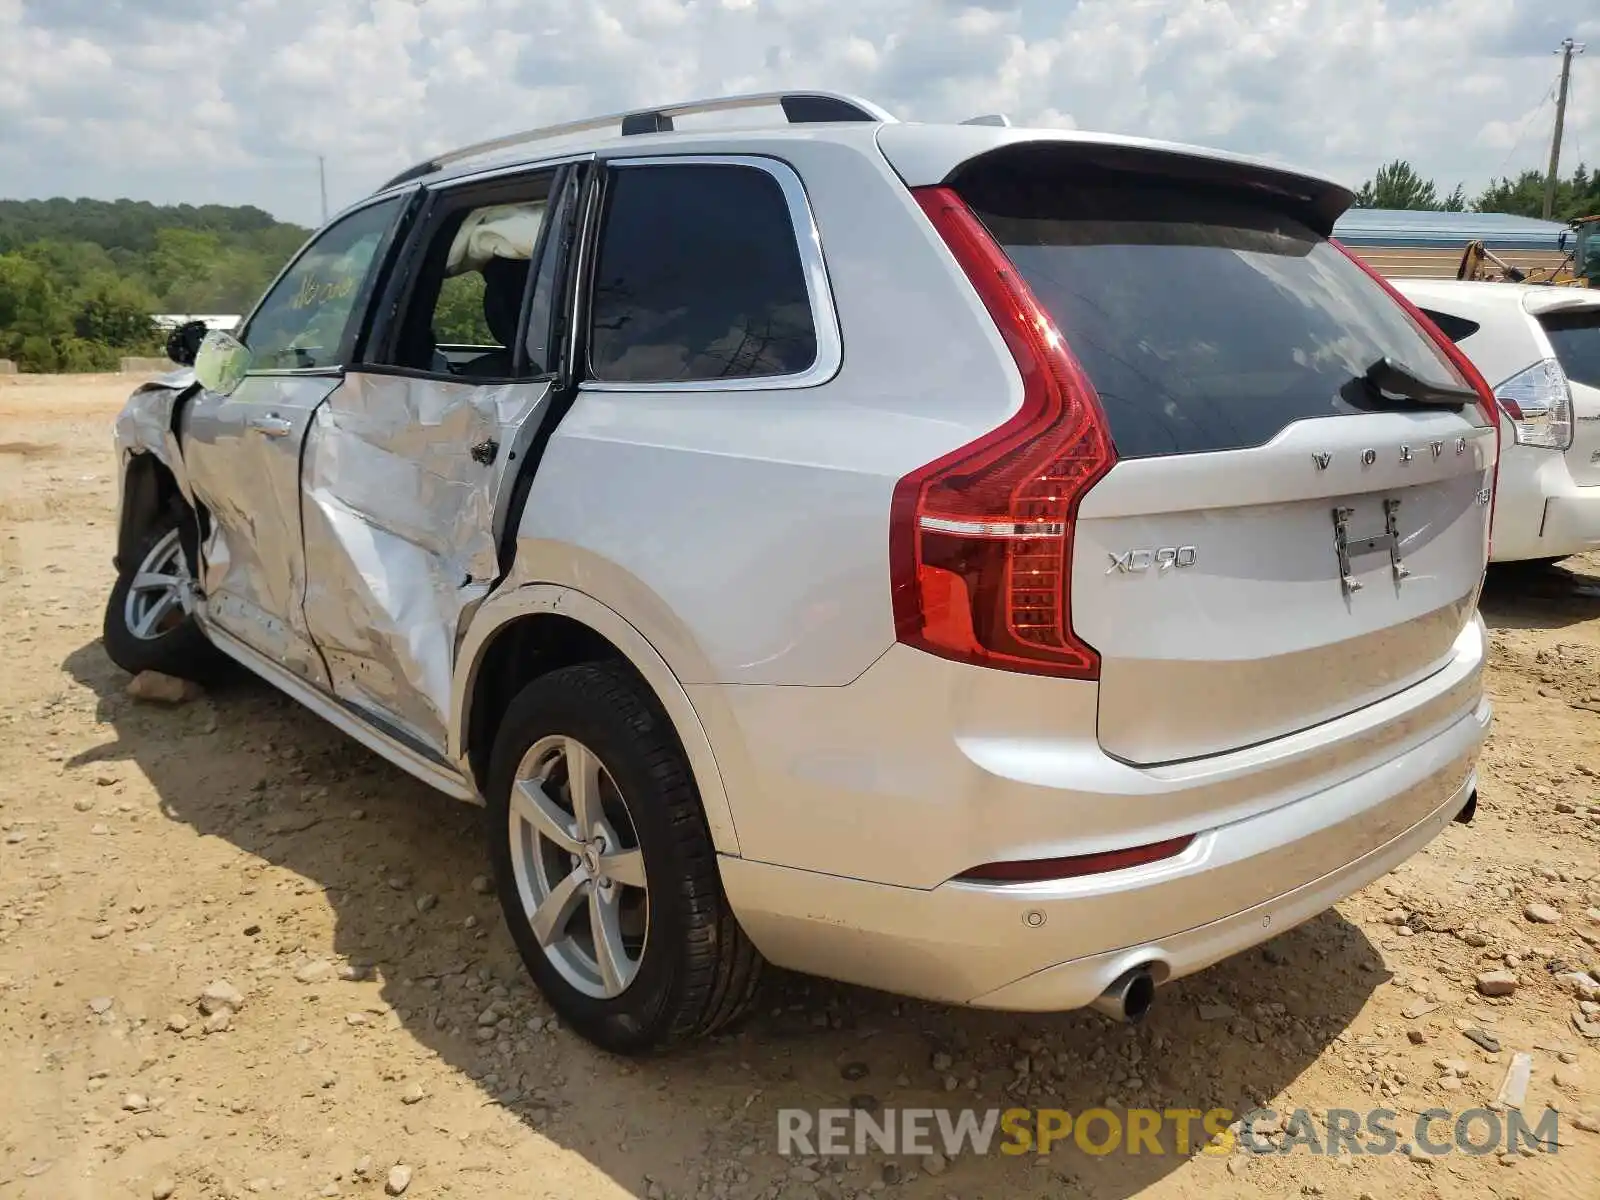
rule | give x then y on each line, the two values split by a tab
406	484
241	451
241	454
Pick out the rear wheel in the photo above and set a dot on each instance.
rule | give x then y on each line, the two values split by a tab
605	867
150	623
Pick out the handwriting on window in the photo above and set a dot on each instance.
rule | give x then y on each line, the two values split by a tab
314	292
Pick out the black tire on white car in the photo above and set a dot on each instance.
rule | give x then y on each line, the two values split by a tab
149	621
605	866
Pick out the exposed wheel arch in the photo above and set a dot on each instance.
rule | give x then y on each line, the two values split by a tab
149	490
521	635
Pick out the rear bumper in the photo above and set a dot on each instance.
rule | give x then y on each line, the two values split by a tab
1539	511
1572	522
857	822
1076	983
1057	945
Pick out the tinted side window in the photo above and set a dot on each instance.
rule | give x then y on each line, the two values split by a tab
1457	329
1576	339
698	277
301	323
1205	322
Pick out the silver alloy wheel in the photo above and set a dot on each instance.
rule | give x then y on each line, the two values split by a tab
579	872
160	595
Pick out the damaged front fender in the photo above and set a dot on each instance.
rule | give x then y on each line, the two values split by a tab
148	425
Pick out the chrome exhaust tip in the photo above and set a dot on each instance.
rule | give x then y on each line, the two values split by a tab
1129	998
1469	809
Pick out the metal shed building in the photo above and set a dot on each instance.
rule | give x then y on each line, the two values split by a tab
1408	243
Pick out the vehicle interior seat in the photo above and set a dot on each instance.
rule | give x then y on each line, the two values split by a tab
504	281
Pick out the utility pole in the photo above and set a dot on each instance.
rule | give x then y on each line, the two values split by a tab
322	167
1568	49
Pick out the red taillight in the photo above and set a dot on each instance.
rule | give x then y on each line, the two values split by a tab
1470	375
1039	870
980	542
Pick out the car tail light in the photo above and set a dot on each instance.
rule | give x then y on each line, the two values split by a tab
1470	375
980	542
1539	403
1039	870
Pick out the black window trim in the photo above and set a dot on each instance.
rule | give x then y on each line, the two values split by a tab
1434	314
449	197
356	322
813	265
561	221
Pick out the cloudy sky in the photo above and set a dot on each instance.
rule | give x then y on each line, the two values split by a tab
232	100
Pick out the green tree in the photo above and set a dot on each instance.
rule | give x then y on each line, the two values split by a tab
1576	196
115	312
458	317
31	311
1522	196
181	266
80	279
1397	185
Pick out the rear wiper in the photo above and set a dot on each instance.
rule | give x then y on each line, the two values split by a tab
1389	378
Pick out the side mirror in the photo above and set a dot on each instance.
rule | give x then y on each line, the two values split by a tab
183	343
222	363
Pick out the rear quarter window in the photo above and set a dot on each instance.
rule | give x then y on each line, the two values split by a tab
698	278
1575	337
1205	322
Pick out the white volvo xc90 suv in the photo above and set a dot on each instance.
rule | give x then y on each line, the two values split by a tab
1009	567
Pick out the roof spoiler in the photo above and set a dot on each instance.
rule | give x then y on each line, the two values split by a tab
926	156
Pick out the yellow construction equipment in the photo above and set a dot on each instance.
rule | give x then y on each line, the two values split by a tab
1586	250
1579	267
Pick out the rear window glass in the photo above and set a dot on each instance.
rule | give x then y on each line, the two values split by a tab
1576	338
1206	323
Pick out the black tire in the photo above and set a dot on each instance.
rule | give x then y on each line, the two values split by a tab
181	648
697	972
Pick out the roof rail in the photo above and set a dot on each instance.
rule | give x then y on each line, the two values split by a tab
800	108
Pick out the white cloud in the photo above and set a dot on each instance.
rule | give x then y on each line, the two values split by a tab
232	100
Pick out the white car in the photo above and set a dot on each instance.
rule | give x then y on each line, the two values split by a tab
1000	566
1539	347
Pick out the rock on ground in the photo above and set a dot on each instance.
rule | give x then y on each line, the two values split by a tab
1497	983
219	995
155	688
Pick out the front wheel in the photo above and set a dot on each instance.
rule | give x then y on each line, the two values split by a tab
605	867
150	623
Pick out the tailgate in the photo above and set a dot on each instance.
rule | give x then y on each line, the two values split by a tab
1281	542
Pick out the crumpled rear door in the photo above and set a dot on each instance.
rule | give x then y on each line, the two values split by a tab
406	485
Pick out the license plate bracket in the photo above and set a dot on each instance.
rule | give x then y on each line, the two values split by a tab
1348	546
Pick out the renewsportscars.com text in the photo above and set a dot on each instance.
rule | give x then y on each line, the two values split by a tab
837	1132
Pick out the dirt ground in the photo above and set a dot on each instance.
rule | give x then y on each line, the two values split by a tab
148	852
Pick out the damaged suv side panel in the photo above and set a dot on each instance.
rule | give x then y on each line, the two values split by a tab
405	483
